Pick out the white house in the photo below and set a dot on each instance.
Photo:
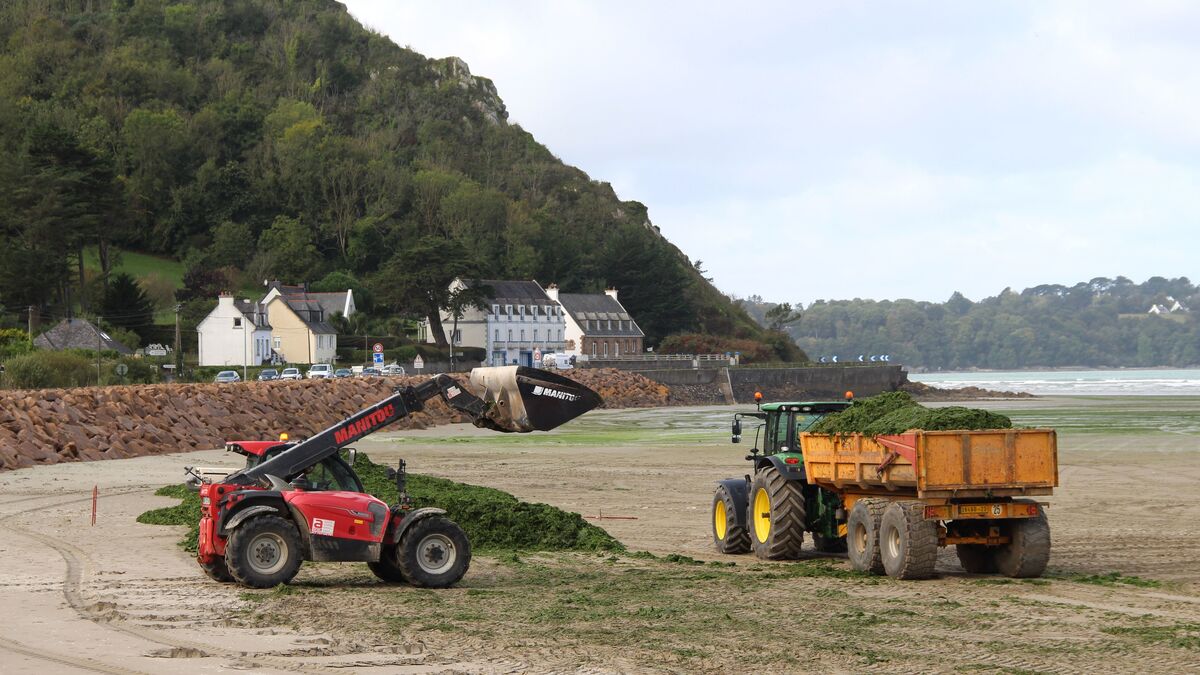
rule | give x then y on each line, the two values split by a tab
518	320
235	333
300	328
598	325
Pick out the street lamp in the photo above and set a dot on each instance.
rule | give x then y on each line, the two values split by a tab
244	357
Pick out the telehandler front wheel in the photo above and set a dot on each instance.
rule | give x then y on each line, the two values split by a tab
776	516
862	535
217	571
433	553
728	535
388	566
264	552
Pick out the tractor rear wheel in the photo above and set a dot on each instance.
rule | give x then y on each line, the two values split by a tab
217	571
1028	549
264	552
825	544
433	553
862	535
776	516
977	558
728	535
388	566
907	542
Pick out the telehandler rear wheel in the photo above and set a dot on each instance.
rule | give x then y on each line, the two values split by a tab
433	553
217	571
728	536
862	535
264	552
776	516
907	542
1028	550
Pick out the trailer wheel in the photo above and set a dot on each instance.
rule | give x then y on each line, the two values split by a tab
388	567
728	536
829	545
1028	550
907	542
263	552
434	553
862	535
976	558
217	571
776	516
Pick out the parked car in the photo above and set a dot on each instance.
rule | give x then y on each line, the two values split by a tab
393	370
370	372
268	374
291	374
227	376
342	372
319	370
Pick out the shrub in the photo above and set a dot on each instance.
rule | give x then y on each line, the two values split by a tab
44	369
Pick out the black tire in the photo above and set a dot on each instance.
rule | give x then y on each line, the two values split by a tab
434	553
217	571
388	567
728	536
1028	550
777	532
862	535
826	545
264	552
977	558
907	542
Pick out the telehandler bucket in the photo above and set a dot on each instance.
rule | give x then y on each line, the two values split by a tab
522	399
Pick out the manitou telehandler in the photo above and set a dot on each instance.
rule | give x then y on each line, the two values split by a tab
298	501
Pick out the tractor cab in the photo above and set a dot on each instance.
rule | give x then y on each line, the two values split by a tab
783	423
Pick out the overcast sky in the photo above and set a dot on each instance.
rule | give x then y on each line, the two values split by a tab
807	150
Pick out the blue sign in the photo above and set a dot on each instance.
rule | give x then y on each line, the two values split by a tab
378	358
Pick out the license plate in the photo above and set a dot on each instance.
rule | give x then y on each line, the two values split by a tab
974	509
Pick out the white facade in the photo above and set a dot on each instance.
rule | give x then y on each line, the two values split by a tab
230	337
521	322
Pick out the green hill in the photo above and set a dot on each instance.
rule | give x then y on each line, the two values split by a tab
265	138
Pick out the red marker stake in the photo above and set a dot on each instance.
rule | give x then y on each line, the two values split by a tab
95	495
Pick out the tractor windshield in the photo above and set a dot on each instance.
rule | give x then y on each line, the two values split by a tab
805	421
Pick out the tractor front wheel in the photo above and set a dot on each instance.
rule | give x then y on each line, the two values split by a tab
776	516
433	553
264	552
728	535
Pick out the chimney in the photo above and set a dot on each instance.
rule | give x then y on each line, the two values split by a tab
612	293
225	299
552	291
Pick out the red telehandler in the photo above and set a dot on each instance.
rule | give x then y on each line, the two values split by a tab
300	501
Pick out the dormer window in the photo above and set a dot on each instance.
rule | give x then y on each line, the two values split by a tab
495	309
508	310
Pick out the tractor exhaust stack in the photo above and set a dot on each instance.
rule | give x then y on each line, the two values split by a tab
522	399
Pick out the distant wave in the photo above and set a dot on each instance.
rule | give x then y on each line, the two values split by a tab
1074	382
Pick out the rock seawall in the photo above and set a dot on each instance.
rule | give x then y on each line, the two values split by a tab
47	426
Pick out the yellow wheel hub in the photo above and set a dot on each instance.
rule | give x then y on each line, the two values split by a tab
720	524
762	515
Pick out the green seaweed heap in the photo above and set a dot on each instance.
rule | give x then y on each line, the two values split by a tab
896	412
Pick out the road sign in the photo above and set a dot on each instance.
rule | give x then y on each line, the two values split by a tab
418	363
537	355
377	348
121	369
378	358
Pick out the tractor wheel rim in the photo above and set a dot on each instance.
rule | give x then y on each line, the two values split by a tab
268	553
762	515
436	554
720	524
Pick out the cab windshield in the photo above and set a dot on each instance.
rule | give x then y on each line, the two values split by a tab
805	421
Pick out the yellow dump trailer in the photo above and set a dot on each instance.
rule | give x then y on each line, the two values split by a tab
904	495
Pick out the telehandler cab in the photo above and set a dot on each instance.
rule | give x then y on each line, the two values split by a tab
298	501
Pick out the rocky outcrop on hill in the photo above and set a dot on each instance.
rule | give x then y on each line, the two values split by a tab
48	426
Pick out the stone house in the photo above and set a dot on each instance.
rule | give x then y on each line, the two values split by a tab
597	325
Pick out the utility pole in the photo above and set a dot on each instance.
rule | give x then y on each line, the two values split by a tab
31	324
97	327
178	354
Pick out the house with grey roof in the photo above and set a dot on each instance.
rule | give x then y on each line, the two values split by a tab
78	334
300	327
235	333
597	325
519	322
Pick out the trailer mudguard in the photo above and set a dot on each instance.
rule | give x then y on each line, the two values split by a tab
739	491
407	521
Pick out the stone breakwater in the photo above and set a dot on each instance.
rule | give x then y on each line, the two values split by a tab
47	426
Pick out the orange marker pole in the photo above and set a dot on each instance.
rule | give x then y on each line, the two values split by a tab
95	496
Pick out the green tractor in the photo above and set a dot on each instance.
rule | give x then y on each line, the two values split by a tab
769	511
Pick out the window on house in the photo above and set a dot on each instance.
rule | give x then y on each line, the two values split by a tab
508	310
510	335
617	348
606	348
495	309
457	337
278	343
535	335
237	322
560	335
522	335
593	347
497	335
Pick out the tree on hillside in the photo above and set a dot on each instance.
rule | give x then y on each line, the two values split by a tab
126	306
417	279
287	251
780	316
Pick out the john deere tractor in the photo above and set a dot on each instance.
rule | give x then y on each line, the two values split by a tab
769	510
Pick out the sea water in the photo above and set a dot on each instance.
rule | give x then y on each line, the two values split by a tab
1148	382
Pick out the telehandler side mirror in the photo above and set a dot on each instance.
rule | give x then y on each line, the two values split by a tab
351	455
737	431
